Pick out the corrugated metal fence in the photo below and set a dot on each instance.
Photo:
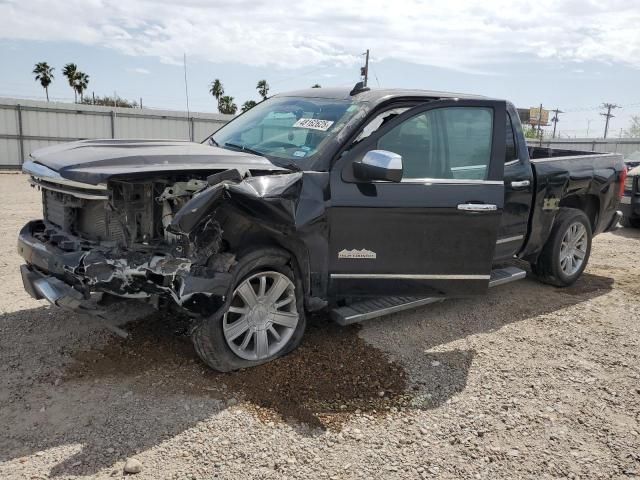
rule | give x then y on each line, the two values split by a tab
27	125
625	146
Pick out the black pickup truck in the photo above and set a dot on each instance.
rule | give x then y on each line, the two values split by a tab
362	202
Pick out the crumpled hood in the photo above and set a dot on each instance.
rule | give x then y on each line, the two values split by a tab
94	161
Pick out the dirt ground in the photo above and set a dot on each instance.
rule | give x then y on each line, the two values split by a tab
528	382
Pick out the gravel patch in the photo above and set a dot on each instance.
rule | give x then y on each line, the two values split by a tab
528	382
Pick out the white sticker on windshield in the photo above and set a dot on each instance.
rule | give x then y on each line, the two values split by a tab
314	124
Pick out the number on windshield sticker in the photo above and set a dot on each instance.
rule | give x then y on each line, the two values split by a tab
314	124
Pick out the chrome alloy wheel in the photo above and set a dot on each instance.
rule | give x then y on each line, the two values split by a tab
573	248
262	316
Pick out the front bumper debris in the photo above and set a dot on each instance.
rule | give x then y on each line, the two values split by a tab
60	294
67	279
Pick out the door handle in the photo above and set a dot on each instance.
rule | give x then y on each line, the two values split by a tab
520	184
477	207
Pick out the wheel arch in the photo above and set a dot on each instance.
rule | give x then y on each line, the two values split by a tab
587	203
248	236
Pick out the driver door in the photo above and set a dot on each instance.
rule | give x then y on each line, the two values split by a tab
434	232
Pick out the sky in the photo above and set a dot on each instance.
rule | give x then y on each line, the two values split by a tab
567	54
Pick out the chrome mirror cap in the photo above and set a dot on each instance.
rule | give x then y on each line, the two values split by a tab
379	165
383	159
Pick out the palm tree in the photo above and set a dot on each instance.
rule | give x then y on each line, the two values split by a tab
227	105
44	74
81	83
70	70
316	85
217	90
248	105
263	89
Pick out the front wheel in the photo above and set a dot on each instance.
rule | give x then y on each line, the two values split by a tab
566	253
262	319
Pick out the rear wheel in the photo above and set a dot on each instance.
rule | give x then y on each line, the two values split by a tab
566	253
262	319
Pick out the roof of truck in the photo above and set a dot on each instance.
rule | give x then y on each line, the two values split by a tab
375	94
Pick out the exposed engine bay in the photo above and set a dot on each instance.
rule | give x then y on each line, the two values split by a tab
135	214
125	238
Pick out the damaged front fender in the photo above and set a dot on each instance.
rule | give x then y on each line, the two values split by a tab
289	209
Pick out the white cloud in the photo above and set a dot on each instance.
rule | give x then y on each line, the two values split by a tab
459	34
141	71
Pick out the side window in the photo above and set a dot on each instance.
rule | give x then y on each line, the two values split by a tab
445	143
511	152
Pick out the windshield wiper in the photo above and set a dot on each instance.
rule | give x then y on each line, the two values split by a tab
288	165
243	148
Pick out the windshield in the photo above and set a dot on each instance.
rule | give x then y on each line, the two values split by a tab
288	128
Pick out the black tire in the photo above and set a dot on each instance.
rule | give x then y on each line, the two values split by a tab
548	268
208	336
630	222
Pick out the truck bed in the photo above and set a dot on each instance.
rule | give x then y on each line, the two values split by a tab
572	178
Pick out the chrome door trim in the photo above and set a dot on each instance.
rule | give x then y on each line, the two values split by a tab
509	239
407	276
451	181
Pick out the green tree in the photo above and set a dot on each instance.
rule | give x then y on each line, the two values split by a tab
44	75
80	84
248	105
108	101
70	71
634	129
217	90
316	85
530	131
263	89
227	106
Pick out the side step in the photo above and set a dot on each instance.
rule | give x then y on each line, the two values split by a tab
500	276
380	306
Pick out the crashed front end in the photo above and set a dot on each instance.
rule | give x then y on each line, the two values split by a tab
152	238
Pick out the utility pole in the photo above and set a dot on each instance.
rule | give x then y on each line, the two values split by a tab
555	120
609	107
364	71
589	120
540	125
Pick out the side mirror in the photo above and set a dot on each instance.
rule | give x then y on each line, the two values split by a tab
379	165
